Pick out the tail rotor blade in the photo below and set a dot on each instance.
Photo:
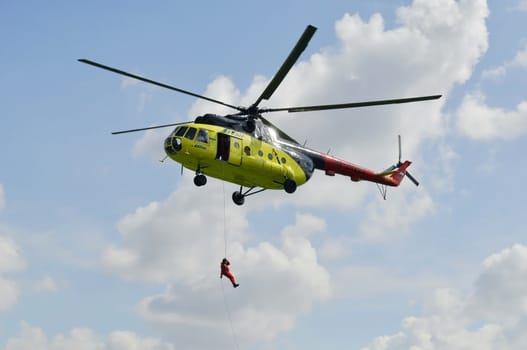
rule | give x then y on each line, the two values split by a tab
412	178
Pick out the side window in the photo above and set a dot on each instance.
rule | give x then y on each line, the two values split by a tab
191	133
181	131
203	136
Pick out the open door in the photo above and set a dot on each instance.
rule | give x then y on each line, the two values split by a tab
229	149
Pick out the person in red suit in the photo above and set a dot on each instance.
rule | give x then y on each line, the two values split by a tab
225	271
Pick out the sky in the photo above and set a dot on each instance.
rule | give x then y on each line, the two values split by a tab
104	247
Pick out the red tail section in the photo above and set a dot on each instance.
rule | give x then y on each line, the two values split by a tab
399	173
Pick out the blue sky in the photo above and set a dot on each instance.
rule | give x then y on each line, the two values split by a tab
103	247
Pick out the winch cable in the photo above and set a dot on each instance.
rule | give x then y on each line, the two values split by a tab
227	307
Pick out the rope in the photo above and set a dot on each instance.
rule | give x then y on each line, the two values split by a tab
227	309
224	221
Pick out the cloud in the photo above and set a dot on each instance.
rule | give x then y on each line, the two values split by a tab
180	242
434	46
522	5
363	282
45	285
151	145
278	284
8	293
171	240
145	93
128	82
392	218
31	337
334	248
10	257
2	197
501	290
493	317
10	261
479	121
519	61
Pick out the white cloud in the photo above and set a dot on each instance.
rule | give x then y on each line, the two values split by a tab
179	241
335	248
31	338
151	145
8	293
180	238
522	5
2	197
10	261
479	121
519	61
501	290
278	284
46	284
494	73
493	317
170	242
222	89
388	219
440	173
127	82
10	257
359	282
435	45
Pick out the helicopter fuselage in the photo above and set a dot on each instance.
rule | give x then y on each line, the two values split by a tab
264	157
236	156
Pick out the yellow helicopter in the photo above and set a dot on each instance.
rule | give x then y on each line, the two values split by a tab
245	148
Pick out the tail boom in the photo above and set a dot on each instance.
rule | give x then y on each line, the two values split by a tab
332	166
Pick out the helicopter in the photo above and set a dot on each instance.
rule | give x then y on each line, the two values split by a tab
246	149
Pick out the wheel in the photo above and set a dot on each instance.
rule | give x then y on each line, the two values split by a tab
289	186
200	180
238	198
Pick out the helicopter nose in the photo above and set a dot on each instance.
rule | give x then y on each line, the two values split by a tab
172	145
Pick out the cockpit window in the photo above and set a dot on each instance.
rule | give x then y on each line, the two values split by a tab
191	133
181	131
203	136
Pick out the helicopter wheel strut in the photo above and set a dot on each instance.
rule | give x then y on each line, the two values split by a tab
200	180
238	197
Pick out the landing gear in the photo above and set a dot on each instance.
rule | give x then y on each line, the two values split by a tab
238	197
200	180
289	186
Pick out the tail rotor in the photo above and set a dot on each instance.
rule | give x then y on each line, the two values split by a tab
399	163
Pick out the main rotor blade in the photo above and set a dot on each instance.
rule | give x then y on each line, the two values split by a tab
148	128
351	105
288	63
130	75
